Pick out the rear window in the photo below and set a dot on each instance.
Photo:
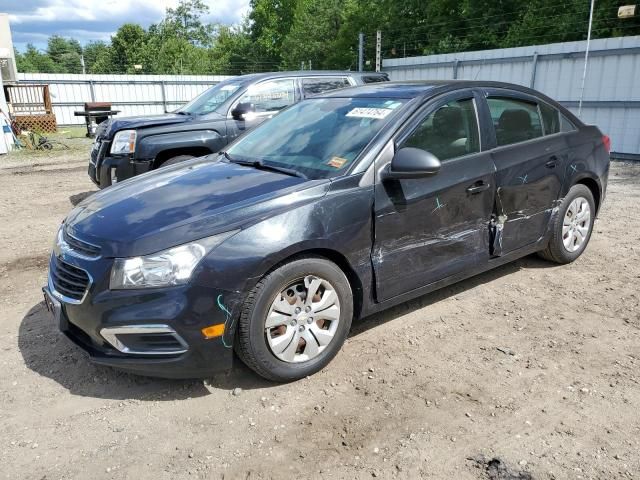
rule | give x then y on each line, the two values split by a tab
554	121
514	120
313	86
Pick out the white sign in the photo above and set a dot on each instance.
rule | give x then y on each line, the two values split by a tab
626	11
377	113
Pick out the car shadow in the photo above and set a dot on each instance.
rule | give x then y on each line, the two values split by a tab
375	320
50	354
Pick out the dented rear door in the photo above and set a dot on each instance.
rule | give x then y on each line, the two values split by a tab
529	170
430	228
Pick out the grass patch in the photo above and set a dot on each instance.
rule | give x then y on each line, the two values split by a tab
67	143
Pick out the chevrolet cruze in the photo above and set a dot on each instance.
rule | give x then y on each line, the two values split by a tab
340	206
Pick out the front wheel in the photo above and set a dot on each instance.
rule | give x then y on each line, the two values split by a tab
571	226
295	320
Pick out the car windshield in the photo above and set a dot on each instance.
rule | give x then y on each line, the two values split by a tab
319	138
210	99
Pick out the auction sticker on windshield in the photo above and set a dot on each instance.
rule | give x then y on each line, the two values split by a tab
377	113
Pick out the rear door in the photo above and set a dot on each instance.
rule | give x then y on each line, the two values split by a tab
530	169
427	229
268	98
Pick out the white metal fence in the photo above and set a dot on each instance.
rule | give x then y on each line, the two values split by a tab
612	89
131	94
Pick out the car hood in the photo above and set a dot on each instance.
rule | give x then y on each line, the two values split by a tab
143	121
184	202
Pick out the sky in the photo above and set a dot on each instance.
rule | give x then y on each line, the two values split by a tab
33	21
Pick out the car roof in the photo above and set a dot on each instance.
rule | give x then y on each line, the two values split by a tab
413	89
304	73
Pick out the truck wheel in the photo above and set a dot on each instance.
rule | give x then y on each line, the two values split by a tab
177	159
295	319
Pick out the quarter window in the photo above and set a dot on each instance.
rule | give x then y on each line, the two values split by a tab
514	120
554	121
270	96
450	131
313	86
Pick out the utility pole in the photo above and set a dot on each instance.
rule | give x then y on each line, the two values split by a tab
360	52
302	65
586	59
378	50
84	71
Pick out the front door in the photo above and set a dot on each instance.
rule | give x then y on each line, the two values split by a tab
430	228
530	169
268	98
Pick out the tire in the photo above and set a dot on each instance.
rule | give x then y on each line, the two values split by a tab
556	250
177	159
255	344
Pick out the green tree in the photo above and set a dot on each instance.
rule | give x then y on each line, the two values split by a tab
231	53
32	61
93	52
270	23
129	48
185	22
316	24
65	54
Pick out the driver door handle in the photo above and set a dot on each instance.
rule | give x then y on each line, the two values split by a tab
478	187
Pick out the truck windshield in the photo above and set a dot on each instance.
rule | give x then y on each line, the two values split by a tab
319	138
210	99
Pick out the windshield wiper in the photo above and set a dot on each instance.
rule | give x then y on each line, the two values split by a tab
260	165
182	112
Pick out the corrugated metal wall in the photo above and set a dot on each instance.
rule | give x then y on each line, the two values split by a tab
131	94
612	89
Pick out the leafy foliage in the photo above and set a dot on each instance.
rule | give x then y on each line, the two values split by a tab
323	34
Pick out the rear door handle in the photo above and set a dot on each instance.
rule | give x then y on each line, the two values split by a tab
478	187
552	163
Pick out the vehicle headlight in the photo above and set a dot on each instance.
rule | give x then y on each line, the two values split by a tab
173	266
124	142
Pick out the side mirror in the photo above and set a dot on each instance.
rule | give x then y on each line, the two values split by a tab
411	162
242	109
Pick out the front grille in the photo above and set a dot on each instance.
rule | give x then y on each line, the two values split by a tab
70	281
98	153
77	245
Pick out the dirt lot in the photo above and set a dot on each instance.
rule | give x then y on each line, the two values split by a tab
532	364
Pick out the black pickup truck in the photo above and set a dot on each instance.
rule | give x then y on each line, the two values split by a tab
129	146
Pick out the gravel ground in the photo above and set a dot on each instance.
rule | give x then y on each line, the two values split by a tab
527	371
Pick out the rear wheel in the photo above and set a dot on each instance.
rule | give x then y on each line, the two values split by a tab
177	159
571	226
295	320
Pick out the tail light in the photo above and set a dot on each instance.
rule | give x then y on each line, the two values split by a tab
607	143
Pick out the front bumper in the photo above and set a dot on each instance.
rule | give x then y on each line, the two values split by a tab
185	310
100	170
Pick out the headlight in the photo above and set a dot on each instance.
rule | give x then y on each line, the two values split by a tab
163	269
124	142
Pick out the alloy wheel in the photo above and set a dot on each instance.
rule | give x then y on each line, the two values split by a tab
576	224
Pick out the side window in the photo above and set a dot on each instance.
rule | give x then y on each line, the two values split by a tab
554	121
270	96
312	86
514	120
375	78
450	131
566	125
